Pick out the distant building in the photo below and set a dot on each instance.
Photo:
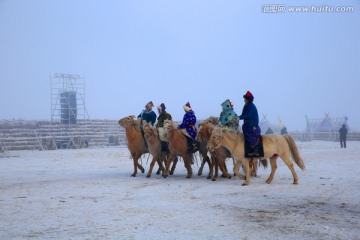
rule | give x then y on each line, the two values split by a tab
326	124
264	125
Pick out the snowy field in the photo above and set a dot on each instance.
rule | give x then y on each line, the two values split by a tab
89	194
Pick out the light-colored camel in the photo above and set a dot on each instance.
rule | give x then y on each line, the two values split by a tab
154	145
275	146
219	155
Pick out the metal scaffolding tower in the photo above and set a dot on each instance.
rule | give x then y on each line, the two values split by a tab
68	99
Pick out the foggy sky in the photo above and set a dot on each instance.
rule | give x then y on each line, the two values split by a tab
204	51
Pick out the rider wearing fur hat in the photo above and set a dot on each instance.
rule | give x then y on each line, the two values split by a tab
188	124
148	115
163	115
228	117
250	127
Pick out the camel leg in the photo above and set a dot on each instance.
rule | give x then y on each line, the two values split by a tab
223	168
140	167
159	160
273	168
201	167
236	169
205	160
187	166
174	166
168	162
238	166
247	171
151	166
137	165
291	167
216	165
254	167
163	160
210	174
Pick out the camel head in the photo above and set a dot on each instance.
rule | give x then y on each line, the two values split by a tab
205	130
212	120
215	139
169	128
149	131
126	121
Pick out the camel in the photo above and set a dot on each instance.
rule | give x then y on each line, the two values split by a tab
178	146
154	145
136	142
275	146
220	154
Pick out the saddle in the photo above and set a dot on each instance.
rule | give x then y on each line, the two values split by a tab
257	151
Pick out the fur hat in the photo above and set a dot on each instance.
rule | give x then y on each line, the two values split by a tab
187	107
162	105
161	108
149	105
249	96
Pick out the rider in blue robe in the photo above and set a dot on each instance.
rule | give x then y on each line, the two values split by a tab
250	127
189	121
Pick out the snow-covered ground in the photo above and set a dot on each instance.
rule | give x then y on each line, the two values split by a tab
89	194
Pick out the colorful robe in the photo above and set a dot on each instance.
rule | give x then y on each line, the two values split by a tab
188	123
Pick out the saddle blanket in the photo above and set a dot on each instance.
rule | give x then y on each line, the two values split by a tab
162	134
249	151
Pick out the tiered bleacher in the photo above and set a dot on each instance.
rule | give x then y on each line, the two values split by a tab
47	135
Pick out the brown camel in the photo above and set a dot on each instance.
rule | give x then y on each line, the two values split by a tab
178	146
136	141
219	155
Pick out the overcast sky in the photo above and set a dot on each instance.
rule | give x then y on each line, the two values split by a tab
202	51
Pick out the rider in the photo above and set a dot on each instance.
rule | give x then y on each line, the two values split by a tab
187	126
148	115
251	127
228	117
163	115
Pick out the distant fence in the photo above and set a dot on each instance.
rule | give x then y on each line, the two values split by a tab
324	136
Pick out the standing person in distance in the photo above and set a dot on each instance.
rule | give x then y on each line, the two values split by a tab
343	132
